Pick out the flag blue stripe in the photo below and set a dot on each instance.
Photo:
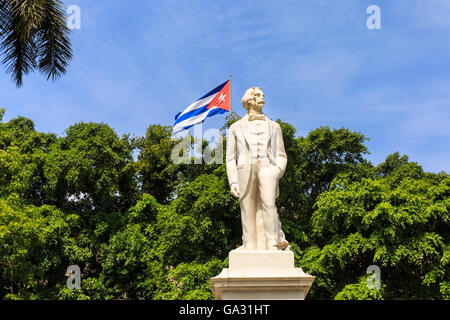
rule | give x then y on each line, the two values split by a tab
212	112
198	111
191	114
214	91
216	111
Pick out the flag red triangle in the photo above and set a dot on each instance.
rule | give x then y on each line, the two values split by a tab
223	98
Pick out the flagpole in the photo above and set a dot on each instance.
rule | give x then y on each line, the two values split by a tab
231	105
231	115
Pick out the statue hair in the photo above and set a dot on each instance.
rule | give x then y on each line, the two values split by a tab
248	96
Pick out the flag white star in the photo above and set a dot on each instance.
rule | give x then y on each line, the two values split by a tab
222	97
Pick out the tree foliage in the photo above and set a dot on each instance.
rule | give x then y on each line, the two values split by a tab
390	220
142	227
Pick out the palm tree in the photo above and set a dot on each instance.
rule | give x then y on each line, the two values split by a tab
34	36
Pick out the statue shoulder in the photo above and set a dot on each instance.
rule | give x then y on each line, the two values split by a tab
235	126
274	124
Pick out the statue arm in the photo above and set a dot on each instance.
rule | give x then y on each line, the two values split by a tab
231	157
281	157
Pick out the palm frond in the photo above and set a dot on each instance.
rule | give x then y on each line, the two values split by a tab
34	35
54	49
4	17
30	13
19	52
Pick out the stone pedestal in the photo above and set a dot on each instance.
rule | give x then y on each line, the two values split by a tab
261	275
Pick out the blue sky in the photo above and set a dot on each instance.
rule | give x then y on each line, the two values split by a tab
140	62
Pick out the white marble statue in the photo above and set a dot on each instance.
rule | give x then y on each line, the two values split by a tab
255	162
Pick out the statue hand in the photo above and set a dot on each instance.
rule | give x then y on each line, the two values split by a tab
280	173
235	190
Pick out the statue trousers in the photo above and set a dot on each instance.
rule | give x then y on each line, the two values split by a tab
260	222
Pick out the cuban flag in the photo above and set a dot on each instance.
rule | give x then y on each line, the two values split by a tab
216	101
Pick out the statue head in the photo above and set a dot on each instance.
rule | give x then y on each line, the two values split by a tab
253	99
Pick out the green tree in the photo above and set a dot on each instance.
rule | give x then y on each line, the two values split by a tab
91	169
154	229
401	225
158	175
36	247
169	251
22	159
359	291
313	162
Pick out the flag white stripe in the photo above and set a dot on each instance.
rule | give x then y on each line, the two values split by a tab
198	104
190	121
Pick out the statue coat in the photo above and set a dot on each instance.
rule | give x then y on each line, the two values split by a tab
239	159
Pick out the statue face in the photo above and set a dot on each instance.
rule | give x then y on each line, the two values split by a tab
258	102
